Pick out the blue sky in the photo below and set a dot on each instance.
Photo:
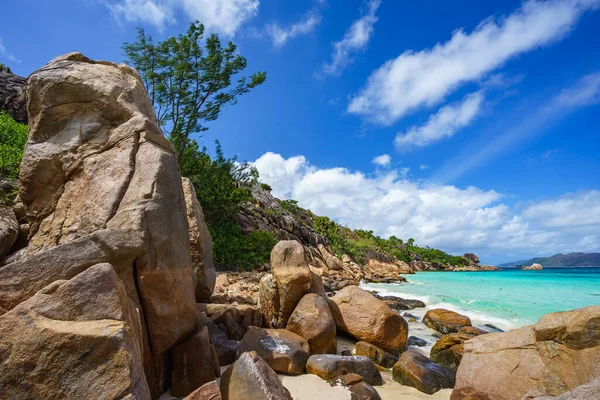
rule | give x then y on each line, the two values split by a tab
469	126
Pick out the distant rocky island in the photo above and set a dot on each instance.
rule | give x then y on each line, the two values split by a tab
558	260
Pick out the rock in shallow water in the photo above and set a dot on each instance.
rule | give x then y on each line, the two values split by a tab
328	366
415	341
445	321
416	370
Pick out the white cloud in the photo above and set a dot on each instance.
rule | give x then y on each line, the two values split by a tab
280	35
444	216
423	167
223	16
525	126
424	78
6	54
355	39
573	210
383	160
443	124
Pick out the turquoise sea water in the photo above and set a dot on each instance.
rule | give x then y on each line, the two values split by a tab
507	298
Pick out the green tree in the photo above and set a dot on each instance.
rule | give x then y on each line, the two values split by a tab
189	81
222	184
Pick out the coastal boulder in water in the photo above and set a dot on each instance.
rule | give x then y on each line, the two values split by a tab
445	321
557	354
533	267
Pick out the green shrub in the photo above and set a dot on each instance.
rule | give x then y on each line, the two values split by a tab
233	249
266	186
361	245
13	136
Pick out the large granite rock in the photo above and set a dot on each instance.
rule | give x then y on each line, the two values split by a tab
416	370
398	303
13	97
208	391
195	362
251	378
385	270
200	244
79	339
377	355
283	350
289	265
268	301
226	348
366	318
448	350
100	183
533	267
590	391
329	366
9	230
445	321
313	321
557	354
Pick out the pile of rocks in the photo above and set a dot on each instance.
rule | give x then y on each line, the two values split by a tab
108	289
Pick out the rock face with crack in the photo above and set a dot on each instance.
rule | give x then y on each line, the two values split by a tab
100	183
557	354
79	338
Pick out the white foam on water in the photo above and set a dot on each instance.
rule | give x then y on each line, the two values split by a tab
392	291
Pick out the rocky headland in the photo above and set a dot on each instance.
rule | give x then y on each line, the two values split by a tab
108	287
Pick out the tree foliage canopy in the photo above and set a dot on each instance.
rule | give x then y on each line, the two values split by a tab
189	81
